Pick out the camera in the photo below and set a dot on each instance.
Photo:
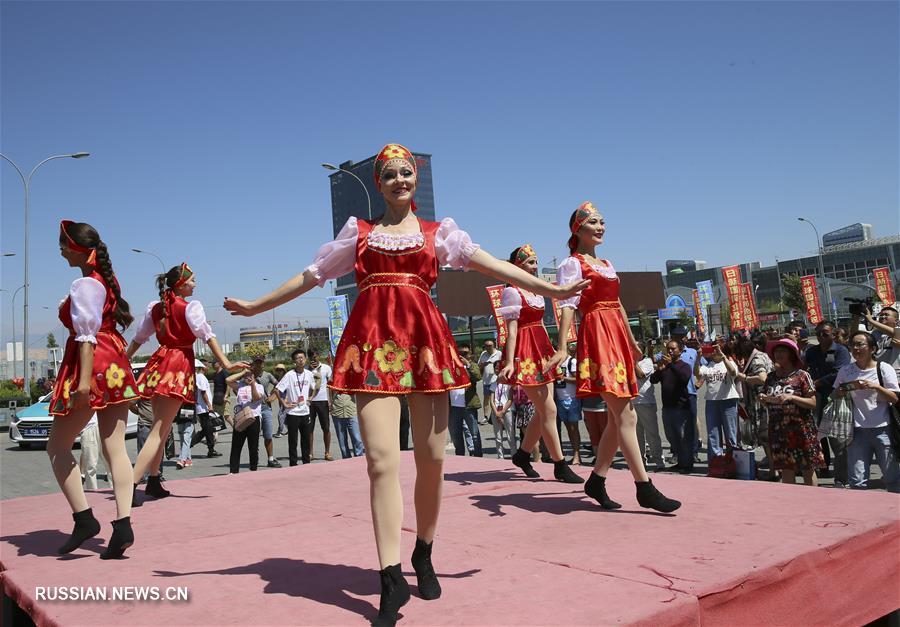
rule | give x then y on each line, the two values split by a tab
859	306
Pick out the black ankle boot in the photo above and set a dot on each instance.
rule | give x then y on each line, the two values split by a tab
154	488
563	473
122	538
394	595
86	526
429	586
648	496
136	501
523	461
596	489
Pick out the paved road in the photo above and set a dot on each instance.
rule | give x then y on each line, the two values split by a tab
27	472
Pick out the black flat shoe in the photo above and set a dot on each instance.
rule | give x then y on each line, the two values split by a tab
648	496
562	472
523	460
86	527
394	595
154	488
429	586
596	489
122	538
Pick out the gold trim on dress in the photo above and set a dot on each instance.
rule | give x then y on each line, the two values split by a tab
396	392
395	279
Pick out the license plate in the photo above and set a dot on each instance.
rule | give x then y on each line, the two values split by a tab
35	433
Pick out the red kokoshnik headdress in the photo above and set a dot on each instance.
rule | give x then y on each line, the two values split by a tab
390	154
184	273
78	248
582	214
524	253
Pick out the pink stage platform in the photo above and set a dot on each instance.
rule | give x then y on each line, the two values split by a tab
295	547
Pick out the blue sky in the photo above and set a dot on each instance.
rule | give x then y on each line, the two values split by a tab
701	129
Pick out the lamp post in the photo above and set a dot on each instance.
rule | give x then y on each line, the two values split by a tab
826	289
24	347
147	252
26	181
274	332
329	166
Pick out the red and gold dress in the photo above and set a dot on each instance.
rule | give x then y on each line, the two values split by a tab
88	314
396	341
605	360
170	370
533	346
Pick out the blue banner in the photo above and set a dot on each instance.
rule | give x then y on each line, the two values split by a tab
337	319
705	296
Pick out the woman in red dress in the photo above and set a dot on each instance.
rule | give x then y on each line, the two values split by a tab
396	343
529	361
607	353
94	376
168	377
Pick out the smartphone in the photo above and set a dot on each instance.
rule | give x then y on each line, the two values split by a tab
708	350
848	387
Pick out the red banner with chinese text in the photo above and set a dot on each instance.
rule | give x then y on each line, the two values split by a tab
751	320
701	325
494	293
811	297
732	278
884	286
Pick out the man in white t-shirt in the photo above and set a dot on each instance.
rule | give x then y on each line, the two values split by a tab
487	363
294	390
503	418
320	404
872	393
201	410
647	414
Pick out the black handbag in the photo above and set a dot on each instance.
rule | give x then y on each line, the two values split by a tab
893	415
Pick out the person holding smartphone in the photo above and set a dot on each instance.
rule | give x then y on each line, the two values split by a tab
873	388
248	393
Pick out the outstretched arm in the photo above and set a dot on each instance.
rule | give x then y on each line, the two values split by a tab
508	273
289	290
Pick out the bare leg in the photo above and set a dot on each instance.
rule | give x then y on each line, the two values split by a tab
59	449
622	433
428	421
788	476
810	478
327	438
164	411
544	421
596	422
111	422
379	423
575	441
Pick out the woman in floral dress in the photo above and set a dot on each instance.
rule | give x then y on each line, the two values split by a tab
396	343
94	376
607	353
789	395
168	378
529	361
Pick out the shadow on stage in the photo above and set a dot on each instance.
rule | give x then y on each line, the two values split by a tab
330	584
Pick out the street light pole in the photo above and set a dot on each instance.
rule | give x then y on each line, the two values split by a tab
329	166
26	181
826	289
146	252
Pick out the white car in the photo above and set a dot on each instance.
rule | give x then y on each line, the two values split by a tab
32	424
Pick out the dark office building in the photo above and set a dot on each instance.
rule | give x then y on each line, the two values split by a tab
349	199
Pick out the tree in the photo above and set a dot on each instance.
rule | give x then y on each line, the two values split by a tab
686	320
646	324
51	341
792	292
